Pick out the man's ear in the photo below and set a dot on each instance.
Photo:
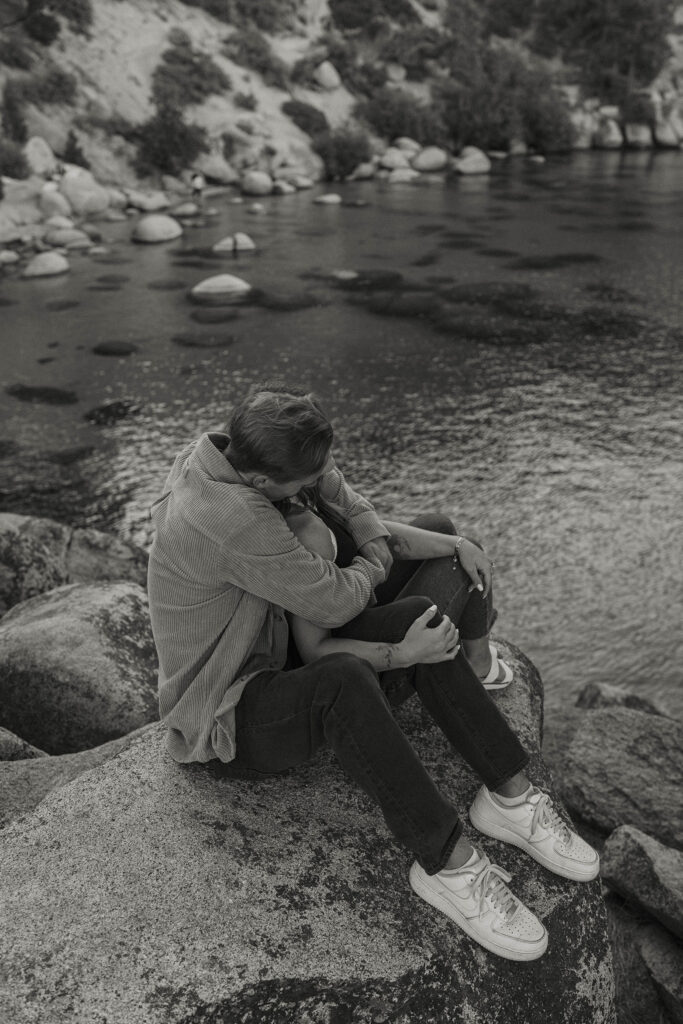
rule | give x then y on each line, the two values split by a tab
260	482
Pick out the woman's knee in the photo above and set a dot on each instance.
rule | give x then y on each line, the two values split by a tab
405	610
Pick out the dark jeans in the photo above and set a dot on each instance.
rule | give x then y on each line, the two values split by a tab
284	717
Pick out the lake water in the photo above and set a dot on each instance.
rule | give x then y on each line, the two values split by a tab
545	419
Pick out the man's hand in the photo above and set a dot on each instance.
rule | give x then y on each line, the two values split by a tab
477	565
377	551
426	645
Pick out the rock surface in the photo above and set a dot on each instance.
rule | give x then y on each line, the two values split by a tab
220	289
624	767
46	264
603	695
156	227
647	873
431	158
78	666
663	957
13	748
24	783
148	892
472	161
39	554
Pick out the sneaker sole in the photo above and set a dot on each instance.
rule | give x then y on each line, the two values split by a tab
436	900
506	835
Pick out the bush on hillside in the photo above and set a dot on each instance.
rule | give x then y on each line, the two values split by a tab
505	100
167	144
413	47
41	27
267	15
13	53
365	78
508	18
245	100
51	86
638	108
341	150
13	163
13	123
186	76
618	45
78	13
178	37
305	116
392	112
250	49
370	14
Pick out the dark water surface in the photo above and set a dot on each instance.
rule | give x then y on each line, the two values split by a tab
525	377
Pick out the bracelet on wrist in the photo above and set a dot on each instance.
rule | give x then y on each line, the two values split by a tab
458	543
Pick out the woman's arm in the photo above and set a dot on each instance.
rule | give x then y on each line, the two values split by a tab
407	542
422	643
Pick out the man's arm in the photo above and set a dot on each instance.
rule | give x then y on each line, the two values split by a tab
264	558
362	521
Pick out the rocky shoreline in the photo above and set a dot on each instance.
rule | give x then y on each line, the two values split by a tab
83	772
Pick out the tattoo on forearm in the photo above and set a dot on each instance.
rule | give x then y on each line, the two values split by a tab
399	547
387	655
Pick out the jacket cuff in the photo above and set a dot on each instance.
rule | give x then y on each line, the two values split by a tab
366	526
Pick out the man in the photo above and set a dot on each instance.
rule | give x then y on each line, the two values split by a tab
224	570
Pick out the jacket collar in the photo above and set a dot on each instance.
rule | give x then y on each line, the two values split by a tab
208	456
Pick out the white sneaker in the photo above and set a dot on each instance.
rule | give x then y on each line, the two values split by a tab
534	825
476	897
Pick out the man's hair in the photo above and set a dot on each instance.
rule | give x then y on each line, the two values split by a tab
279	430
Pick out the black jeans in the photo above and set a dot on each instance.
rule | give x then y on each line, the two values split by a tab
339	701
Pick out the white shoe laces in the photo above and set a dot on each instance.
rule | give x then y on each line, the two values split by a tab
490	883
546	814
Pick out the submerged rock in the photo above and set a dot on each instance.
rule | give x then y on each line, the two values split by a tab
431	158
190	895
328	199
472	161
647	873
44	394
39	554
112	412
602	695
78	666
222	289
156	227
239	242
47	264
624	767
256	183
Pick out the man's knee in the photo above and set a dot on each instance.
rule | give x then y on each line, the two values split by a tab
346	676
436	522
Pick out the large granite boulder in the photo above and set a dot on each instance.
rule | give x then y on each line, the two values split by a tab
156	227
148	892
24	783
85	195
46	264
39	554
663	957
78	666
13	748
624	767
646	873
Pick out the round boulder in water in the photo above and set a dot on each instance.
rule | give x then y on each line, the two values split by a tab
473	161
239	242
328	199
256	183
220	290
46	264
431	158
156	227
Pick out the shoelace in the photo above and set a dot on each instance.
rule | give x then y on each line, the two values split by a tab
490	882
546	813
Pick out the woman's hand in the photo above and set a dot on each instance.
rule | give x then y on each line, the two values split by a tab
477	565
425	645
377	551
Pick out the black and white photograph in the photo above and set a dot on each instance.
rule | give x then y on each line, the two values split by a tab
341	529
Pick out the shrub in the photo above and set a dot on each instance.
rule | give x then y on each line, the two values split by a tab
41	27
508	18
368	14
167	144
305	116
505	100
73	154
78	13
245	100
342	149
186	76
52	86
365	78
14	54
267	15
13	163
413	47
13	123
392	112
638	108
249	48
179	37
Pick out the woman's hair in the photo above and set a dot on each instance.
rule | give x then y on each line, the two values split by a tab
279	430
